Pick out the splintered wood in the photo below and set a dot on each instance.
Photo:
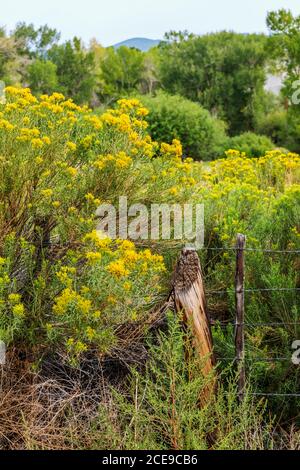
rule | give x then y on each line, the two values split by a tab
189	299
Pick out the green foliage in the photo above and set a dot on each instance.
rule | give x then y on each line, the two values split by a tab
285	39
252	144
224	72
275	126
161	408
12	319
75	70
33	56
285	49
42	77
150	79
202	136
121	71
34	42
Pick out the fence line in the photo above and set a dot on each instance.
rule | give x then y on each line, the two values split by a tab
207	248
239	323
258	250
216	323
257	359
241	356
271	394
271	289
275	394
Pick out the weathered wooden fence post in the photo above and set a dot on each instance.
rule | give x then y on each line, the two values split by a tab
240	313
189	298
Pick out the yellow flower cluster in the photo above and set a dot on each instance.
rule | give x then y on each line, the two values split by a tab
247	187
117	268
123	257
69	298
174	149
120	160
64	275
17	306
93	257
6	125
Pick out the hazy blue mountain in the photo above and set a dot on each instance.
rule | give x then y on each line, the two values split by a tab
143	44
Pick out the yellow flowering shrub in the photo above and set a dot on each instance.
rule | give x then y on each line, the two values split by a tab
12	309
53	152
62	284
108	284
58	163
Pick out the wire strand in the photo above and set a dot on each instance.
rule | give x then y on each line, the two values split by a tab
258	250
271	289
256	359
216	323
275	394
207	248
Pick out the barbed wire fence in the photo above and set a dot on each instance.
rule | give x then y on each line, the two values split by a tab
240	324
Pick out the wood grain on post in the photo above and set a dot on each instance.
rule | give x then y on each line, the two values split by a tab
189	299
240	313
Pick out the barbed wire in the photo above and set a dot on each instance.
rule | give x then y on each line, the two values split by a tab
258	250
269	394
271	289
275	394
253	324
207	248
256	359
247	360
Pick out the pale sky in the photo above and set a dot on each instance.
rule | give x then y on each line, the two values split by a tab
111	21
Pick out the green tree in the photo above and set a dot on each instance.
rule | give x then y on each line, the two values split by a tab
42	77
285	40
150	80
224	72
34	42
75	70
285	47
121	71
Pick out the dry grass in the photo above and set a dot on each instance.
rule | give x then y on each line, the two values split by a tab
55	408
64	408
49	410
59	408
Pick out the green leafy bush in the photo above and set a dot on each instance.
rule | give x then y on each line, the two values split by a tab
42	76
252	144
275	126
202	136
